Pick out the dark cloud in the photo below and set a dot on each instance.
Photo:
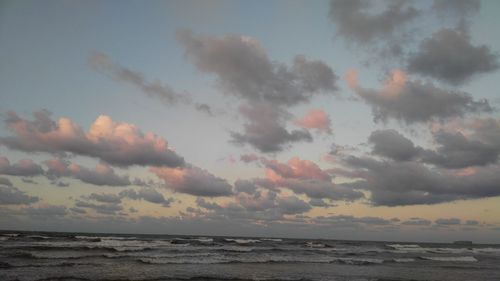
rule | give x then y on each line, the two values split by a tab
265	129
319	203
105	208
472	222
450	56
116	143
449	221
455	150
103	174
205	108
416	101
49	211
412	183
102	63
393	145
5	181
417	221
193	180
105	198
147	194
475	143
10	195
24	168
293	205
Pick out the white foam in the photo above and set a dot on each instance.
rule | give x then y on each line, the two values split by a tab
242	241
404	260
452	259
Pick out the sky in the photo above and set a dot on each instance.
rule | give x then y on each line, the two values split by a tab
370	120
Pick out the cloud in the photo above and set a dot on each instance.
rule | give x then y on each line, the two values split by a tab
449	55
393	145
417	222
410	183
47	211
102	63
10	195
103	174
5	181
247	158
355	22
24	168
450	221
147	194
265	129
415	101
205	108
105	198
116	143
193	180
315	119
456	151
244	70
475	143
456	8
304	177
293	205
106	208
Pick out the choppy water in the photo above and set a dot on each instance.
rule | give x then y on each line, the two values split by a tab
64	256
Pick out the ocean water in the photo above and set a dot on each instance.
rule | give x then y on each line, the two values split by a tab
74	256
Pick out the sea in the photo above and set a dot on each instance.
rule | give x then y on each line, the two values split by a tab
44	256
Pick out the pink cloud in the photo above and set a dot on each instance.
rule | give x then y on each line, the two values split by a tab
193	180
117	143
315	119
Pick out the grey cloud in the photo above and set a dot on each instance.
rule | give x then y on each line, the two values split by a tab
147	194
78	210
351	221
412	183
293	205
355	22
391	144
5	181
319	203
103	174
457	151
49	211
474	144
102	63
245	186
102	141
265	129
417	221
106	208
472	222
449	55
418	102
449	221
243	69
456	8
105	198
193	180
205	108
10	195
25	168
